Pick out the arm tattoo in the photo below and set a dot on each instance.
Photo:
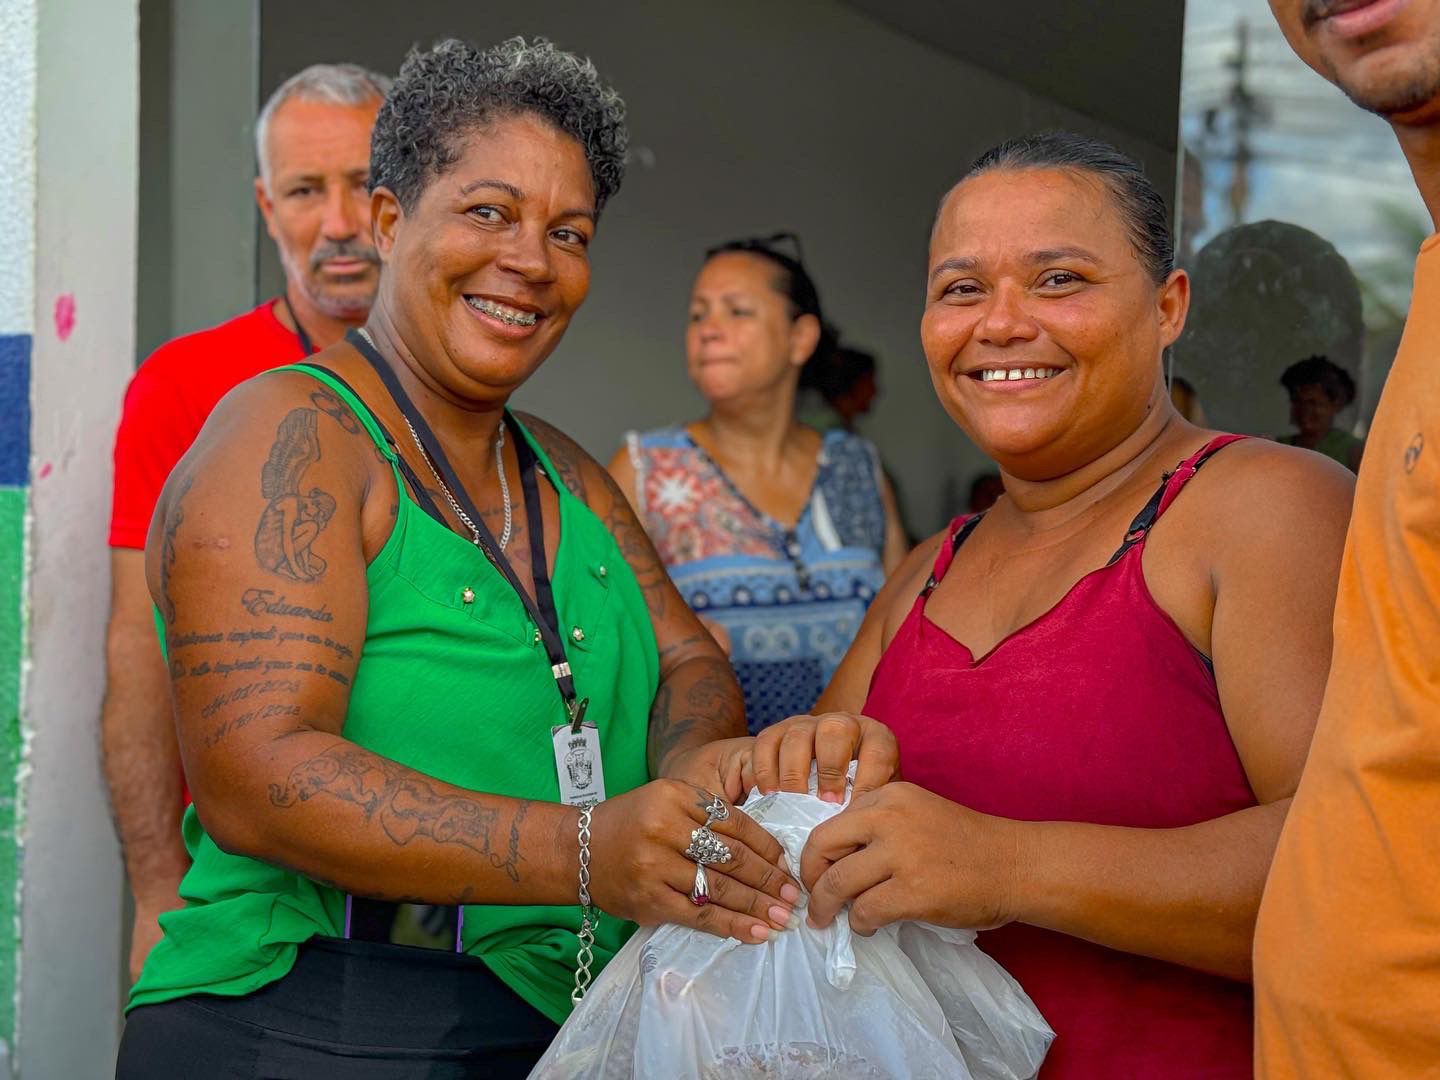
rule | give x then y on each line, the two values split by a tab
635	546
564	453
712	709
671	649
325	400
266	602
638	551
406	804
173	518
292	520
513	858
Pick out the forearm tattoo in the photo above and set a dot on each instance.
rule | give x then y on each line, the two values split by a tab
404	802
699	703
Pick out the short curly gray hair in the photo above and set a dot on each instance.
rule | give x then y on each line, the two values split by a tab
442	95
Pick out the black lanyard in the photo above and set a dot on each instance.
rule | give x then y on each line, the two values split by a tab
542	609
306	345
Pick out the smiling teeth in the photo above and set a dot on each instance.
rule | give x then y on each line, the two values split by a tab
504	313
1016	374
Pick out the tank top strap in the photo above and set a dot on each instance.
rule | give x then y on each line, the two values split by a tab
383	440
957	533
1171	484
345	393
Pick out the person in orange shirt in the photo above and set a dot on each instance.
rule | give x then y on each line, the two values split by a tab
1347	946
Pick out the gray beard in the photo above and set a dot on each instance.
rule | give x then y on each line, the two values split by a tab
334	307
345	309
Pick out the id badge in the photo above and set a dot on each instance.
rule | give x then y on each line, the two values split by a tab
577	764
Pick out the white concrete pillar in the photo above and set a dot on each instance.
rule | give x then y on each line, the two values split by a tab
81	159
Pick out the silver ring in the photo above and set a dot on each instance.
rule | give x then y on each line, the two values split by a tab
700	894
716	810
705	847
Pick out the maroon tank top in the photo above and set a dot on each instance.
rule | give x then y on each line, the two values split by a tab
1099	711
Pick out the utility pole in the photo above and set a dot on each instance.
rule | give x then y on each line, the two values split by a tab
1246	110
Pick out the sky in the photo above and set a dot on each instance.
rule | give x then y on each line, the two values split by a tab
1320	161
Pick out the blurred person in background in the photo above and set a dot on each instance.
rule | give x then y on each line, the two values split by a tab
312	145
777	535
1186	401
1347	948
1319	390
1264	294
985	491
837	388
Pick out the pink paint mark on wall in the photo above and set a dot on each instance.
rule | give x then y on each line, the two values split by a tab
45	470
64	316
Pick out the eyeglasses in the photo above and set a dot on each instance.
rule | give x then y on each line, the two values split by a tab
767	244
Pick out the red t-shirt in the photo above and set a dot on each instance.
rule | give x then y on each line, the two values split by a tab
169	400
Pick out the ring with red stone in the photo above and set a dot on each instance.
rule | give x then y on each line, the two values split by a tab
700	894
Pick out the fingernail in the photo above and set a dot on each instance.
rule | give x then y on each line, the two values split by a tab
811	923
784	917
761	932
790	894
829	796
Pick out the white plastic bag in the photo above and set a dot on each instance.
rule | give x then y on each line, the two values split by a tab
913	1001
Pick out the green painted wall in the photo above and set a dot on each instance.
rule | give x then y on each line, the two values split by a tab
12	599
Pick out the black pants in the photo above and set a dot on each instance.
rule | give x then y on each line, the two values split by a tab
351	1009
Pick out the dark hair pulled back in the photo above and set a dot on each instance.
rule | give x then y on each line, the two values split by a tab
1141	206
791	281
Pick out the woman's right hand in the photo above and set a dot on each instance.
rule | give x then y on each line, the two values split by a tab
639	870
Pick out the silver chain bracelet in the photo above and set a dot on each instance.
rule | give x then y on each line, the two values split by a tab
589	914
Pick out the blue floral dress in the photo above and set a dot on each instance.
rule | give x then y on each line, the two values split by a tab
791	600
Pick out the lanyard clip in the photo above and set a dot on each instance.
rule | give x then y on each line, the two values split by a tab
576	709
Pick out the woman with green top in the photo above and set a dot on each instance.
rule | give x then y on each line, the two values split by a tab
422	651
1318	390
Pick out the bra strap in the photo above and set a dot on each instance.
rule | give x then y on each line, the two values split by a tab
960	530
1169	490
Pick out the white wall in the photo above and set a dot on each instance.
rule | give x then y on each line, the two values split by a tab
746	118
86	154
17	280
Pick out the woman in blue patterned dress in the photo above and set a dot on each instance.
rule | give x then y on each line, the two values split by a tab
777	536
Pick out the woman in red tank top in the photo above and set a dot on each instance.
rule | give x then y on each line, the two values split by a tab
1103	688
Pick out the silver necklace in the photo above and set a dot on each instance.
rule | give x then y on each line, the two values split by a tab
445	488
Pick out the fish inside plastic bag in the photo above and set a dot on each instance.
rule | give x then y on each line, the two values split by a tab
913	1001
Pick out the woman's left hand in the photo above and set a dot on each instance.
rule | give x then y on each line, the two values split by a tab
783	753
779	758
721	766
901	852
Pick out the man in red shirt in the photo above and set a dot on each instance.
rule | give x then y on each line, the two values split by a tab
312	142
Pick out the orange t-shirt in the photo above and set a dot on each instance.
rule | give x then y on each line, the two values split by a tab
1347	950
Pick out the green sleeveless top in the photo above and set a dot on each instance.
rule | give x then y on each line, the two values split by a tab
461	692
1337	445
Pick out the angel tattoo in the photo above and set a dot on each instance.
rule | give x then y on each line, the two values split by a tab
285	537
